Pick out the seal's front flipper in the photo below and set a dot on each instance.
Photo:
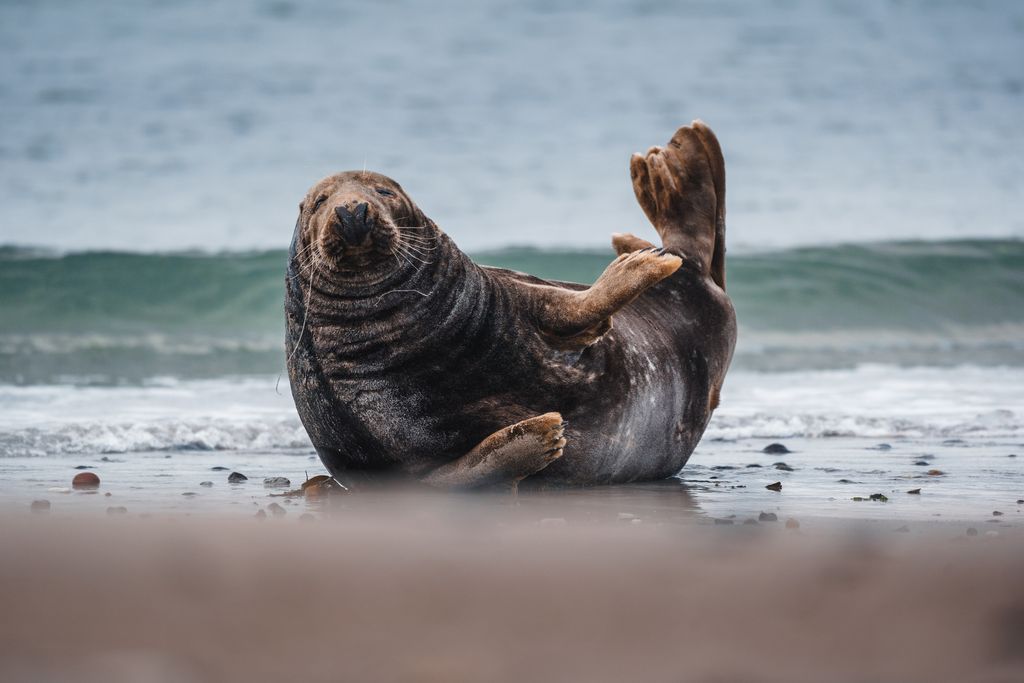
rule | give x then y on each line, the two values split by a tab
625	243
572	316
681	188
506	456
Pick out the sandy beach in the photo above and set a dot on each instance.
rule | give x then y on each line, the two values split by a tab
427	589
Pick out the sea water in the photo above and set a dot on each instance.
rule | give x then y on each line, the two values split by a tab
152	156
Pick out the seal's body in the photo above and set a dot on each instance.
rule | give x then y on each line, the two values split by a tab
405	356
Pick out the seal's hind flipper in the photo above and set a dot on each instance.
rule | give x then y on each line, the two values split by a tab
681	189
506	456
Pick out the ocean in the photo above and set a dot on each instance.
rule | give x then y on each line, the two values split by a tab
152	155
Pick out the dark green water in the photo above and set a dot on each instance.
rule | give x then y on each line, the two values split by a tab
126	316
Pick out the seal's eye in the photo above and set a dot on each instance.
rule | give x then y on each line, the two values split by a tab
319	201
384	192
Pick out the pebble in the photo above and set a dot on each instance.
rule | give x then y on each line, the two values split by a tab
237	478
883	447
119	510
220	468
206	483
775	448
783	466
83	467
189	493
792	524
777	486
754	464
921	462
935	473
276	482
880	497
914	492
768	517
1020	501
277	510
40	506
847	481
997	513
85	480
971	531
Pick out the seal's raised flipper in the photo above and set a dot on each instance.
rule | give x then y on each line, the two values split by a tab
625	243
506	456
681	188
578	317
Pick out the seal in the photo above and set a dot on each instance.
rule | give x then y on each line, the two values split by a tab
405	357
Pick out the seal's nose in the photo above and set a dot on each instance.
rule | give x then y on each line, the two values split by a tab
355	224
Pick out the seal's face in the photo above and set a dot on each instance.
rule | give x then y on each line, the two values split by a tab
358	219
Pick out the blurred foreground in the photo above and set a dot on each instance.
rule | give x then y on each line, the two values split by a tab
437	588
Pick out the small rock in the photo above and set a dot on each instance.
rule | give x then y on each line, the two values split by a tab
935	473
768	517
783	466
914	492
276	482
777	486
847	481
108	494
206	483
277	510
880	497
40	506
724	467
85	480
883	447
1020	501
775	449
971	531
923	463
189	493
997	513
261	514
903	529
83	467
553	521
754	464
237	478
1012	455
119	510
722	521
792	524
219	468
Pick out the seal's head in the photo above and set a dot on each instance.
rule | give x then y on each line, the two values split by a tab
356	219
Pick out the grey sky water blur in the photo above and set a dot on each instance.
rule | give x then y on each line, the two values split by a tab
175	124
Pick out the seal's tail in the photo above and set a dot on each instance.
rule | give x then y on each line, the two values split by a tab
681	188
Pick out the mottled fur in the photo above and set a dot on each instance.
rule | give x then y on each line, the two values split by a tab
406	357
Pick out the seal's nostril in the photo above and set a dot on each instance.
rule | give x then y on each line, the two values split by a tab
360	212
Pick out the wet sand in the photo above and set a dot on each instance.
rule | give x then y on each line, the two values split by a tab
411	588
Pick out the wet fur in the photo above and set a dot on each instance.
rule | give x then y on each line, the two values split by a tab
405	367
